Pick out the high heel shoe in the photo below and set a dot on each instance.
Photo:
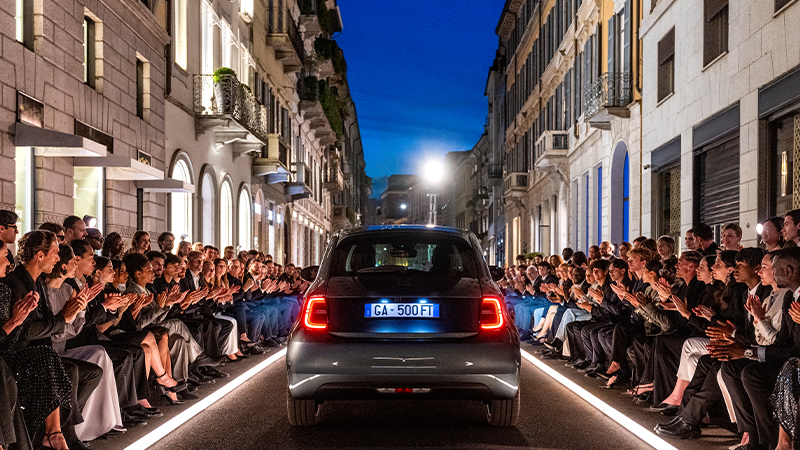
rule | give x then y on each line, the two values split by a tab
49	444
615	381
172	402
177	388
608	376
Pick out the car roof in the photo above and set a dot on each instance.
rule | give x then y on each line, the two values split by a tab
409	228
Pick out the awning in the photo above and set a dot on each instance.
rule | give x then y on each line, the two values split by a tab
55	143
119	167
167	185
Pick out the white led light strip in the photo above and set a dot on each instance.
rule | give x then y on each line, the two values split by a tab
641	432
159	433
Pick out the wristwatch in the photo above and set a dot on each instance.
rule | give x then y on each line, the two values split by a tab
749	354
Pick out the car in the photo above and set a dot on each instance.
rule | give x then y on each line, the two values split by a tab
403	311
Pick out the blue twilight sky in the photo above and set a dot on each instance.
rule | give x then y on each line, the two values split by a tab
417	72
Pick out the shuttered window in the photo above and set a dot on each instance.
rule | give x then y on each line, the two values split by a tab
715	30
717	183
666	65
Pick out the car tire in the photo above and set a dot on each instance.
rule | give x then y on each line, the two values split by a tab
503	413
302	413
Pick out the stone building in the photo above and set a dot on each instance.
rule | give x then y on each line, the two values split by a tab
113	110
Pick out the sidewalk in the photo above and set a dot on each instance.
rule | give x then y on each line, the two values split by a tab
713	438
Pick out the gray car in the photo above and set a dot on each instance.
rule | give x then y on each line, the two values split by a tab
403	312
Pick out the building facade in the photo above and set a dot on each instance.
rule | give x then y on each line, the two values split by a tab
225	122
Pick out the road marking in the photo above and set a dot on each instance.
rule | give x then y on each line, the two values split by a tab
159	433
641	432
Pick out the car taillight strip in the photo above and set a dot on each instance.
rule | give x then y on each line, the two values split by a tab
316	306
492	306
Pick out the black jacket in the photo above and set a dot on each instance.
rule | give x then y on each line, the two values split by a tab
40	324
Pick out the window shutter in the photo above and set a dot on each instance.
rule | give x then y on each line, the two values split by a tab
598	49
612	33
626	58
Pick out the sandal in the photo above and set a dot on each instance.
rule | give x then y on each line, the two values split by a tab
49	444
177	388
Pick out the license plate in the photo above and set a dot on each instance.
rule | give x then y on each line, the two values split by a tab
414	310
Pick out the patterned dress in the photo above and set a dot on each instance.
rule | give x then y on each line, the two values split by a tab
784	397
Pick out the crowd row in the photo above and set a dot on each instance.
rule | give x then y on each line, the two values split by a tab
709	337
95	337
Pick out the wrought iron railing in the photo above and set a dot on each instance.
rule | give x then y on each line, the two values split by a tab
229	97
495	170
610	90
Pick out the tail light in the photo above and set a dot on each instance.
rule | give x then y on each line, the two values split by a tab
315	316
491	314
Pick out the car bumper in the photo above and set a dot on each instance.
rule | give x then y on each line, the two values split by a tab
337	369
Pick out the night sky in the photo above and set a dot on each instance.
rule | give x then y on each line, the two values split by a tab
417	72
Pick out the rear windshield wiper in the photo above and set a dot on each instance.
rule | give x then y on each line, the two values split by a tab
384	269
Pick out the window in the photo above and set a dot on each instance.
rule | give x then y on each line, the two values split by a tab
24	186
599	204
23	19
715	30
225	215
666	65
245	221
88	51
586	197
181	204
209	206
225	45
779	4
179	33
784	132
88	195
626	199
667	201
271	220
142	88
207	18
246	7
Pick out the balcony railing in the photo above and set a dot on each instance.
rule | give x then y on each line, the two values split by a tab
228	97
282	33
495	170
552	144
334	179
612	89
516	182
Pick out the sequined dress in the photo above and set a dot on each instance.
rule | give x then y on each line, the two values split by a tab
785	395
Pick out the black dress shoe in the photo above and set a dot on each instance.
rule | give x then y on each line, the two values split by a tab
129	421
581	364
148	413
186	395
679	429
213	372
589	368
665	408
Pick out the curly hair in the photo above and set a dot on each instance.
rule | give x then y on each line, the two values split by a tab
65	255
110	240
32	243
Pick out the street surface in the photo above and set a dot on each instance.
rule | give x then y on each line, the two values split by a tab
253	417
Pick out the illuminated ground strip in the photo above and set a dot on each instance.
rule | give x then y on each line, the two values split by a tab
641	432
160	432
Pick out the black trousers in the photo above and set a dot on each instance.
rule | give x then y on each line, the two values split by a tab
85	377
617	339
750	384
665	360
639	360
13	434
703	394
574	338
591	341
129	372
210	333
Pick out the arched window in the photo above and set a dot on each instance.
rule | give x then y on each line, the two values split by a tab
626	203
181	207
245	221
620	194
225	215
209	201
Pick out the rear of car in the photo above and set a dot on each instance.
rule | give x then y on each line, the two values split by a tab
403	312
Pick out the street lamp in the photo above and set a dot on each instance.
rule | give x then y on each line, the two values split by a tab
433	172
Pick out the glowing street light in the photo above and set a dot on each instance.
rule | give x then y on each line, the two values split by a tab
433	173
403	206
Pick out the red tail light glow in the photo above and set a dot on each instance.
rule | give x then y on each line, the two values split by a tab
315	316
491	314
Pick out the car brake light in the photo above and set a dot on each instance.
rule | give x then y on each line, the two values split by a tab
491	314
316	314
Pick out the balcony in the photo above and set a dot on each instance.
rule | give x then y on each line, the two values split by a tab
231	111
515	184
309	21
551	150
284	37
301	186
495	170
273	163
310	105
334	179
343	217
607	98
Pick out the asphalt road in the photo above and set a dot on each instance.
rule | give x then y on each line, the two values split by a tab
254	417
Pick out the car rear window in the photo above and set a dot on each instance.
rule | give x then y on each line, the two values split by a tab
405	254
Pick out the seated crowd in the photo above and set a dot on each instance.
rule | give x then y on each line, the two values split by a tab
94	336
710	337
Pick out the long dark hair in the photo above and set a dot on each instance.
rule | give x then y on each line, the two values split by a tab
723	296
110	240
65	254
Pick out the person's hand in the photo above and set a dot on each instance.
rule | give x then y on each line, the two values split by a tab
597	295
794	312
560	291
283	286
754	307
88	293
577	291
726	350
704	312
619	289
248	285
722	331
634	299
162	299
74	305
114	302
22	308
141	301
681	307
667	305
663	291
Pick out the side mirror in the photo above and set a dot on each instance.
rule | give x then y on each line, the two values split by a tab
309	273
497	273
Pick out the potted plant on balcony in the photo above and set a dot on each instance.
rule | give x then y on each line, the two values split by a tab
223	92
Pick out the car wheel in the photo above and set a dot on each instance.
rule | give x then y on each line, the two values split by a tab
302	413
503	413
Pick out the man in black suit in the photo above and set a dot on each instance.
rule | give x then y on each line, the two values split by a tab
8	231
